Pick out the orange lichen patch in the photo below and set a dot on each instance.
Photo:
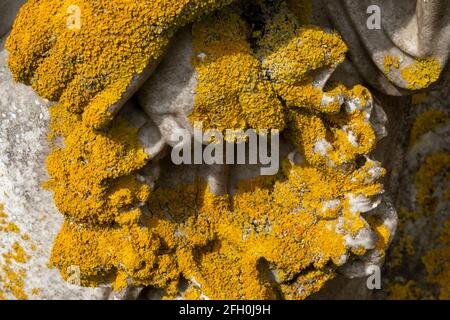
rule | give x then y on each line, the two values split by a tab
437	264
285	222
93	175
389	62
426	122
422	73
89	68
435	165
232	92
121	255
294	51
12	282
10	227
332	140
275	231
275	237
17	254
293	56
12	275
433	282
5	225
140	250
351	136
305	284
407	291
381	232
35	292
268	240
193	293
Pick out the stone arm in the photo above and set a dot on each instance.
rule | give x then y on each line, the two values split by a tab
408	52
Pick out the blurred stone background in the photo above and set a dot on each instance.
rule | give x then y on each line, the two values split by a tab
415	153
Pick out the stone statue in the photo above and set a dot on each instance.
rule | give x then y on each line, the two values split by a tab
265	79
407	51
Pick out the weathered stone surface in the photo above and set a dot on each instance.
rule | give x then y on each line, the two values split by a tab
168	96
418	264
410	31
168	99
171	114
23	143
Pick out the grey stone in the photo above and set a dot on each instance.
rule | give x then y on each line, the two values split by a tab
410	29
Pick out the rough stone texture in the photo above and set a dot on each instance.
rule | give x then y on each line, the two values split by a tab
23	123
391	153
410	29
169	114
23	144
168	98
420	228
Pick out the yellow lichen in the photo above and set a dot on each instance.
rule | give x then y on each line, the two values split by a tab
17	254
344	138
5	225
104	255
88	69
259	243
275	237
389	62
232	92
12	274
422	73
292	55
426	122
93	175
13	283
436	164
432	273
382	233
437	263
418	98
407	291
